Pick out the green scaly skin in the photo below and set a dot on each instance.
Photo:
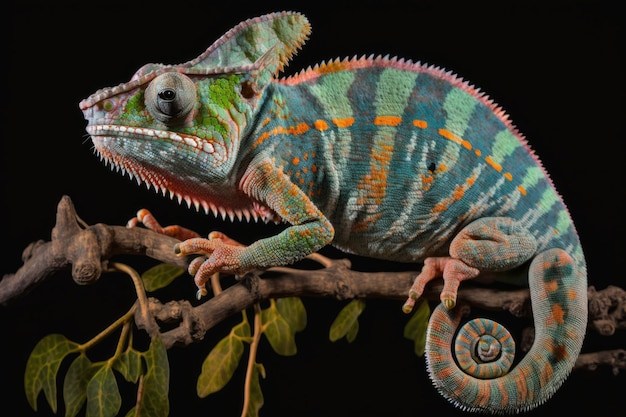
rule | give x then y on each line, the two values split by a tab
378	156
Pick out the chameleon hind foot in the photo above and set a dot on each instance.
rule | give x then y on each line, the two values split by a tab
452	270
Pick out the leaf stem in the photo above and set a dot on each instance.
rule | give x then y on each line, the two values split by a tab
254	346
106	332
139	288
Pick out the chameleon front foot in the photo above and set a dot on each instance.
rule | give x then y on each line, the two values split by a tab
452	270
221	254
147	219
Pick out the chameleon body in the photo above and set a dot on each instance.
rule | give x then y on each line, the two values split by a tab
379	156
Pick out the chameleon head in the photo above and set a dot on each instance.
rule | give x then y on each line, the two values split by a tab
178	128
167	122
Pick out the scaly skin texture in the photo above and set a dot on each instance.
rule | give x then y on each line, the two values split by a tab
380	157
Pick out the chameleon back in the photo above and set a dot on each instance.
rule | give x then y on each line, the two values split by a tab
400	156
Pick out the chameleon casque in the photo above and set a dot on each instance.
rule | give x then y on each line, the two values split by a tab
378	156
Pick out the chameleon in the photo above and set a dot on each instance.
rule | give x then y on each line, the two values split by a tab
378	156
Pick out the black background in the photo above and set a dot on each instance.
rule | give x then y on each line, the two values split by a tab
556	69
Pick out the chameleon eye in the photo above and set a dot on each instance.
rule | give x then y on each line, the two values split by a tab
167	94
170	97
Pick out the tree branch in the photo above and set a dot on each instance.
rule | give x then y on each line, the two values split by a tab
87	250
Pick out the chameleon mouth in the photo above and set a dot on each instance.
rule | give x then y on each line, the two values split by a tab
104	138
129	131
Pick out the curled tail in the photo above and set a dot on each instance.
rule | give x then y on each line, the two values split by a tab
558	291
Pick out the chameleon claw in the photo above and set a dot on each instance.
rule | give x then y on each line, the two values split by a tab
408	305
201	293
448	302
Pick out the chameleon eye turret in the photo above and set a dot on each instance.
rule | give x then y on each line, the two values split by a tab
170	98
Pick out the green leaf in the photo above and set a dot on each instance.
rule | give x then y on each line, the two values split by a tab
78	375
256	395
293	311
346	322
42	367
103	395
160	276
154	399
129	365
220	364
415	328
278	331
242	330
352	332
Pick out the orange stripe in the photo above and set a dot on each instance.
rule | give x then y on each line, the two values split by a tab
387	120
457	194
493	163
422	124
344	122
291	130
454	138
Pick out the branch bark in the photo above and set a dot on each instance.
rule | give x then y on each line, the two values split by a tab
86	250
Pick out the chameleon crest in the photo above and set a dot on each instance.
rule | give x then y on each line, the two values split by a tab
379	156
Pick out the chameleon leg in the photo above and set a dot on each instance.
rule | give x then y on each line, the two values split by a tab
491	244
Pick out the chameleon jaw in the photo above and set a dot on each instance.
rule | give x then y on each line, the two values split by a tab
152	178
112	131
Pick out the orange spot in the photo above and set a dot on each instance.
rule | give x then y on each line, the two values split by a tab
300	129
457	194
422	124
508	176
552	286
261	139
387	120
454	138
344	122
320	124
556	315
521	189
558	350
313	168
295	160
493	163
478	152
